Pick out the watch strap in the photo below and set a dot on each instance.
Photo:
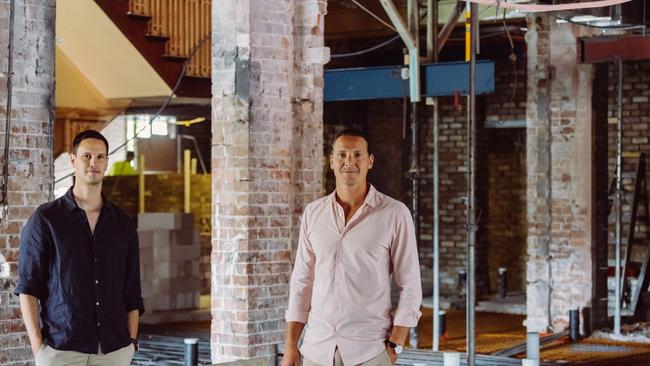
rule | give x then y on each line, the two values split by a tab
135	343
390	344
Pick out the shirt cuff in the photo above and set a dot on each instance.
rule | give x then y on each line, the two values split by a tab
297	316
407	318
27	290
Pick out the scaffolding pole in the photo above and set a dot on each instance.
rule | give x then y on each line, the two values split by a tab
432	56
471	196
619	163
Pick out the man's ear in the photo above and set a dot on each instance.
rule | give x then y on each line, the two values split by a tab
72	158
331	161
372	161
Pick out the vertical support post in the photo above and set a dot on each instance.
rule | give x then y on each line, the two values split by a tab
141	187
471	207
191	351
451	359
619	206
432	55
186	179
502	282
193	166
574	324
414	172
532	346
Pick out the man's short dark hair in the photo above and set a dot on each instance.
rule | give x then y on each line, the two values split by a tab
88	134
130	155
355	133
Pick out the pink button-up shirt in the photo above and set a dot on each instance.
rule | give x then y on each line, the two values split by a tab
341	281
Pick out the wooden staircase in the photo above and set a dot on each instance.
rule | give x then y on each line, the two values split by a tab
166	32
635	239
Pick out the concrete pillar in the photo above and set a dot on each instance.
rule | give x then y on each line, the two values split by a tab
560	198
266	159
30	149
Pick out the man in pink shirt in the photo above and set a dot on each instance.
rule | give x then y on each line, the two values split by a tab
352	243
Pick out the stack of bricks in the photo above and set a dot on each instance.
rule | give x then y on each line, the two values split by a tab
169	261
123	191
31	170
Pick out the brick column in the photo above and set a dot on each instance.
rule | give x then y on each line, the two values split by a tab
30	154
560	273
267	123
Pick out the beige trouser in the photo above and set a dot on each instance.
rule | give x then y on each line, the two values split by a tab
381	359
48	356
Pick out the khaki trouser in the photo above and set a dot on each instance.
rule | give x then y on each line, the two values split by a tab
48	356
381	359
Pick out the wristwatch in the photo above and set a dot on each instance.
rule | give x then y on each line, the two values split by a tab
397	348
135	343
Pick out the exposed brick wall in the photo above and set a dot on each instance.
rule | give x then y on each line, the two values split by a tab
267	107
506	216
165	194
561	194
30	155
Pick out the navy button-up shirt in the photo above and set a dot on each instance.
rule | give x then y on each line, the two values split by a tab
86	283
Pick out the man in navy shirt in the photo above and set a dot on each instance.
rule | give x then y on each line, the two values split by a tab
79	259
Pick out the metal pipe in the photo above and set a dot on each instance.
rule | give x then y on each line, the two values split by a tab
574	324
411	41
414	172
4	183
198	151
432	44
619	163
451	359
141	190
532	346
471	210
502	282
191	351
436	222
187	157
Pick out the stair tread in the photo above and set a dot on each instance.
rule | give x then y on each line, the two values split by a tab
136	16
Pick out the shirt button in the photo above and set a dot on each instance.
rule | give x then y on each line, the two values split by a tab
96	282
97	303
99	324
96	260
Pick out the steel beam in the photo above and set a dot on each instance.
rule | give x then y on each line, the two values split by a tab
612	49
385	82
411	42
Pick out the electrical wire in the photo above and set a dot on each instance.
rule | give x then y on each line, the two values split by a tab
373	15
367	50
163	106
4	204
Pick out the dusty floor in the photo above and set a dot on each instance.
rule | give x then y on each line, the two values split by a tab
494	332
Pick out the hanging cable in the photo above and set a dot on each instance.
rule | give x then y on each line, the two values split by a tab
163	106
367	50
4	184
374	15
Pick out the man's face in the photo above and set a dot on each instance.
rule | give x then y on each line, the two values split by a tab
350	160
90	161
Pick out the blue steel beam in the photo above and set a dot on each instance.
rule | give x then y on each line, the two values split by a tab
386	82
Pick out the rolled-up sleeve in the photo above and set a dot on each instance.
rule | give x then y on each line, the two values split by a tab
302	278
132	290
406	270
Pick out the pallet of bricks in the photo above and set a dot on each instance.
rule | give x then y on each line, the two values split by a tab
169	261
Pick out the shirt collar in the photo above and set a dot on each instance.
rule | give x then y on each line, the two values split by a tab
71	204
372	197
